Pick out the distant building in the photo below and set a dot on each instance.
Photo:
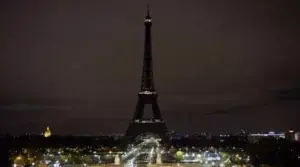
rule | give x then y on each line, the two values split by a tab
292	135
47	132
255	137
297	136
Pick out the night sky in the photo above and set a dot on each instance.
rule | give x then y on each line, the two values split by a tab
219	66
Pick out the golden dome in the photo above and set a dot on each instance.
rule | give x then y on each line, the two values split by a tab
47	132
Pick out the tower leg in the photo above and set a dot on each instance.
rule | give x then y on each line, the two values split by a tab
156	111
139	112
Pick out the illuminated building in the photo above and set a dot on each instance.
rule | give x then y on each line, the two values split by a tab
47	132
254	137
297	136
290	135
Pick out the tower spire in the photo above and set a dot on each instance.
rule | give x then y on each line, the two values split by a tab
147	84
148	10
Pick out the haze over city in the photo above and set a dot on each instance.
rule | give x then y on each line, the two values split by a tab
219	66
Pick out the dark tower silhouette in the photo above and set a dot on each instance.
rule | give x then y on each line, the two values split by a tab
147	94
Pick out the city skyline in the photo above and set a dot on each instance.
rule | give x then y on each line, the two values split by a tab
219	66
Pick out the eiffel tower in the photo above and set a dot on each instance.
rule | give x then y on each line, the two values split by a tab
147	95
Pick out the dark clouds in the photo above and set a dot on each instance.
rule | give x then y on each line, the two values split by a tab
72	63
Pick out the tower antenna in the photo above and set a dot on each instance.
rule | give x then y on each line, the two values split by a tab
148	10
